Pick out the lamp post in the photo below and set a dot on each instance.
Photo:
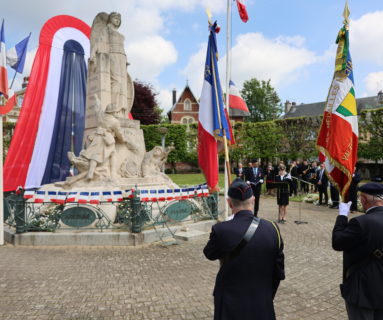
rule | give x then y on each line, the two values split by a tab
163	131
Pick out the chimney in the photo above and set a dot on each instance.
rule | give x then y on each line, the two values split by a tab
174	96
287	106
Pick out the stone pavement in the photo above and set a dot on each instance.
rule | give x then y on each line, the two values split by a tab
176	282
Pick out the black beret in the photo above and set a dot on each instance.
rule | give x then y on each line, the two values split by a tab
372	188
240	190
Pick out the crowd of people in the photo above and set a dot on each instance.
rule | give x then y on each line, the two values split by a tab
298	177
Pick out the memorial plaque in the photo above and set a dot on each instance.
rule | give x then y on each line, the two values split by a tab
179	211
78	217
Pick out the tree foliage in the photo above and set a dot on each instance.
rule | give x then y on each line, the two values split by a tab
145	106
371	134
262	100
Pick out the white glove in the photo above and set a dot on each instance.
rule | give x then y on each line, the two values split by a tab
261	181
248	182
344	208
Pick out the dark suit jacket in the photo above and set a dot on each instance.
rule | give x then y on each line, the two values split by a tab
358	238
245	286
324	180
236	172
249	175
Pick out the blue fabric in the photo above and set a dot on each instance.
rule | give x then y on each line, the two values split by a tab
70	114
212	76
21	49
2	37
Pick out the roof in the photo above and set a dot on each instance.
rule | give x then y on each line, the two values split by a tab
317	108
238	113
180	96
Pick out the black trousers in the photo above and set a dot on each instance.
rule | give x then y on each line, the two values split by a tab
323	191
257	195
334	193
356	313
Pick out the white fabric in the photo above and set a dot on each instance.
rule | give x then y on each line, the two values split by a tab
344	208
12	56
205	115
48	113
3	58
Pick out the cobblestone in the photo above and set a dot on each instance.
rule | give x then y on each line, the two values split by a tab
176	282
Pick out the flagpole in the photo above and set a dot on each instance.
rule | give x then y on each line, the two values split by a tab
14	77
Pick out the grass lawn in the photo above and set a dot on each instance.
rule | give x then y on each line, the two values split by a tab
191	179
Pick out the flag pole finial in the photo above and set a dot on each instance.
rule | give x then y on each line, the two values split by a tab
346	13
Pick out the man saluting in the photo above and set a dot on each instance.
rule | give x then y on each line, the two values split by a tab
361	240
250	250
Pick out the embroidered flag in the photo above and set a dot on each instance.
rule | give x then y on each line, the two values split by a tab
212	121
16	55
3	64
94	198
242	10
338	135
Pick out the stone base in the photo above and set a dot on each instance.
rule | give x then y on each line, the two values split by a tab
108	237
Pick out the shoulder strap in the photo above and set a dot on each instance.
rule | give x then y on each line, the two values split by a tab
277	230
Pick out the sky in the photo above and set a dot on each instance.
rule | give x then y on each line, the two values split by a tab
292	43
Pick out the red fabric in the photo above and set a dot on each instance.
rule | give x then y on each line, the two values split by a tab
341	146
130	116
4	81
9	105
236	102
208	157
242	11
21	149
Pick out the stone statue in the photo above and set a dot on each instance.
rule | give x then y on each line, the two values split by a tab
108	77
154	160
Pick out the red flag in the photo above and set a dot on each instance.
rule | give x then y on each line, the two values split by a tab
242	10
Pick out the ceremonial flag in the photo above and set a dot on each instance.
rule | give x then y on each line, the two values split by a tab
16	55
338	135
212	121
235	99
3	64
242	10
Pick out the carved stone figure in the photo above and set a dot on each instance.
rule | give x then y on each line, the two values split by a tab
154	160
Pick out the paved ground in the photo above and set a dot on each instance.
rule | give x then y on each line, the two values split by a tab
153	282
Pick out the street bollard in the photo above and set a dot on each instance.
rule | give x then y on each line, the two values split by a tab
20	220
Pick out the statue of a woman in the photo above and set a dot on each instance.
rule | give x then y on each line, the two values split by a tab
107	48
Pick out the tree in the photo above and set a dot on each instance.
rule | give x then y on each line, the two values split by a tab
262	100
145	106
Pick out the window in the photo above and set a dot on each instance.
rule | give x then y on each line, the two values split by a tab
187	105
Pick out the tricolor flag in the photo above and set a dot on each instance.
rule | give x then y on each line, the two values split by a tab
153	195
83	197
144	195
128	193
94	198
338	135
107	195
212	121
52	196
71	196
28	194
184	193
61	197
39	196
177	194
117	196
242	10
161	195
3	64
16	55
235	99
169	194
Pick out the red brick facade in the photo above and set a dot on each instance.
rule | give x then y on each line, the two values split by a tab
185	110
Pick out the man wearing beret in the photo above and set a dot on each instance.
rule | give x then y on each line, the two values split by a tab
250	250
254	176
361	240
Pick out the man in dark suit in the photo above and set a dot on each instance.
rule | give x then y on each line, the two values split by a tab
240	171
254	176
353	190
361	240
252	261
322	183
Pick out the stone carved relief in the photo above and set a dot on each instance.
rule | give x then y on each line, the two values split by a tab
154	160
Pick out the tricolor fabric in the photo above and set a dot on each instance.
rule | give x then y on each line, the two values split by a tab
49	114
235	99
242	10
16	55
3	65
338	135
212	120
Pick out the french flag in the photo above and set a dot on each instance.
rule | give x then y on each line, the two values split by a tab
16	55
177	194
52	195
161	195
169	194
29	194
71	197
129	193
3	65
144	195
94	198
212	120
83	197
199	192
117	195
61	197
107	195
39	196
153	195
242	10
235	99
